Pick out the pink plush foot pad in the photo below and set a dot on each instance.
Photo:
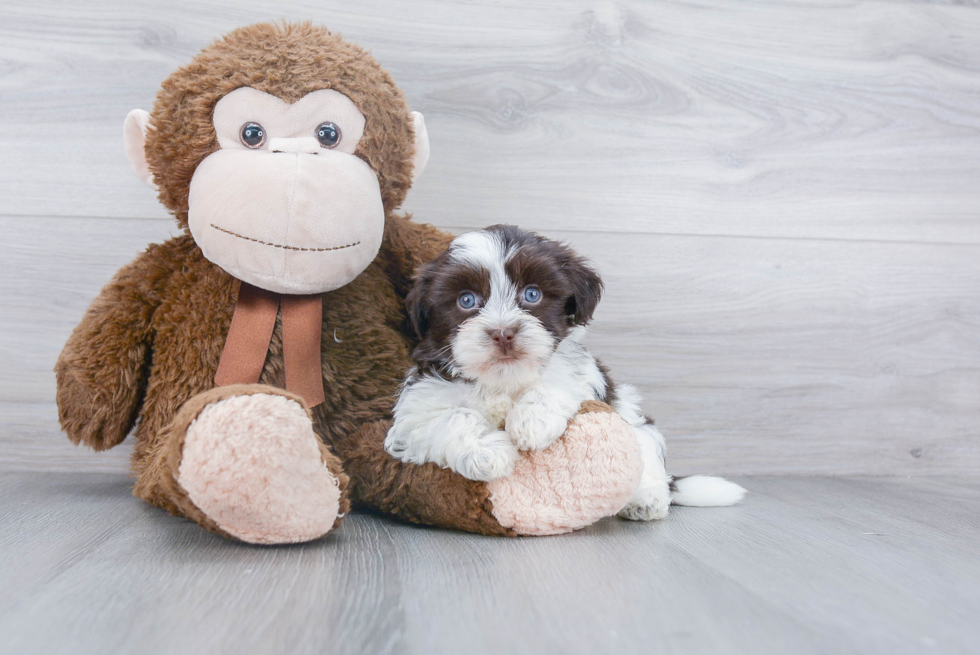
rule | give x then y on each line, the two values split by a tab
588	474
252	464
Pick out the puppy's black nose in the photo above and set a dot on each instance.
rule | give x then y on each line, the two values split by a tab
503	339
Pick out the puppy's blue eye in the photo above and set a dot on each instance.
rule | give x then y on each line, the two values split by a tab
532	295
466	300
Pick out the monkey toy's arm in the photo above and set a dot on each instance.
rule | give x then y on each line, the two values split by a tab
408	245
102	371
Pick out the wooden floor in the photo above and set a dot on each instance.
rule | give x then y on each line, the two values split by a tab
806	565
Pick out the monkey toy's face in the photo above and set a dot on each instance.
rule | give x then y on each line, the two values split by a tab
283	198
284	204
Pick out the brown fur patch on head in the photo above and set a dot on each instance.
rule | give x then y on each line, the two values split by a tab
557	269
433	312
288	60
570	290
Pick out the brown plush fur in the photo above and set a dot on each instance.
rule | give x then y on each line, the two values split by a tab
289	61
150	343
425	494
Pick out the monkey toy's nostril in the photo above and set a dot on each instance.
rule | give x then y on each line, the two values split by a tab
297	145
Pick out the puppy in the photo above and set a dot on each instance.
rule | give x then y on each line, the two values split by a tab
501	367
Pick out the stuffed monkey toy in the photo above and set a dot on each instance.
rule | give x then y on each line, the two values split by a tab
258	353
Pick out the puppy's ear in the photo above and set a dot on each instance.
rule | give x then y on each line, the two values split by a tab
418	306
586	290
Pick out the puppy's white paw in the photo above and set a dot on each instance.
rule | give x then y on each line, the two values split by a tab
532	427
488	457
651	502
398	446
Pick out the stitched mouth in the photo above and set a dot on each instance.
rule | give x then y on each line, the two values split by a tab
279	245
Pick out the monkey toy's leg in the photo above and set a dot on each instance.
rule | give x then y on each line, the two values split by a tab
588	474
243	461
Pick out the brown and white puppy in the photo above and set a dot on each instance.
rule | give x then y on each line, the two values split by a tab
501	367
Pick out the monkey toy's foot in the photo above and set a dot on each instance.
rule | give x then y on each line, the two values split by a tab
590	473
252	465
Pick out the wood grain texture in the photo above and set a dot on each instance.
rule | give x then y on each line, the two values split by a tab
803	566
754	355
781	196
855	120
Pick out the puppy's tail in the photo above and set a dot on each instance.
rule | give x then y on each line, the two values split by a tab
704	491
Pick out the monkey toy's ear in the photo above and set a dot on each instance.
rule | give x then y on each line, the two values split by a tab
134	142
421	146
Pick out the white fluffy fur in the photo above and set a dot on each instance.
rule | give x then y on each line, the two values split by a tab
437	420
651	500
706	491
476	423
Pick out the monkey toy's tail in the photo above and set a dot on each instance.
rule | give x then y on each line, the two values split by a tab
704	491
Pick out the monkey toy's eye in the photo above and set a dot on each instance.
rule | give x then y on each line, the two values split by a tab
467	300
253	135
532	295
328	134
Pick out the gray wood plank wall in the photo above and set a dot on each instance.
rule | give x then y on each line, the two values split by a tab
783	197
